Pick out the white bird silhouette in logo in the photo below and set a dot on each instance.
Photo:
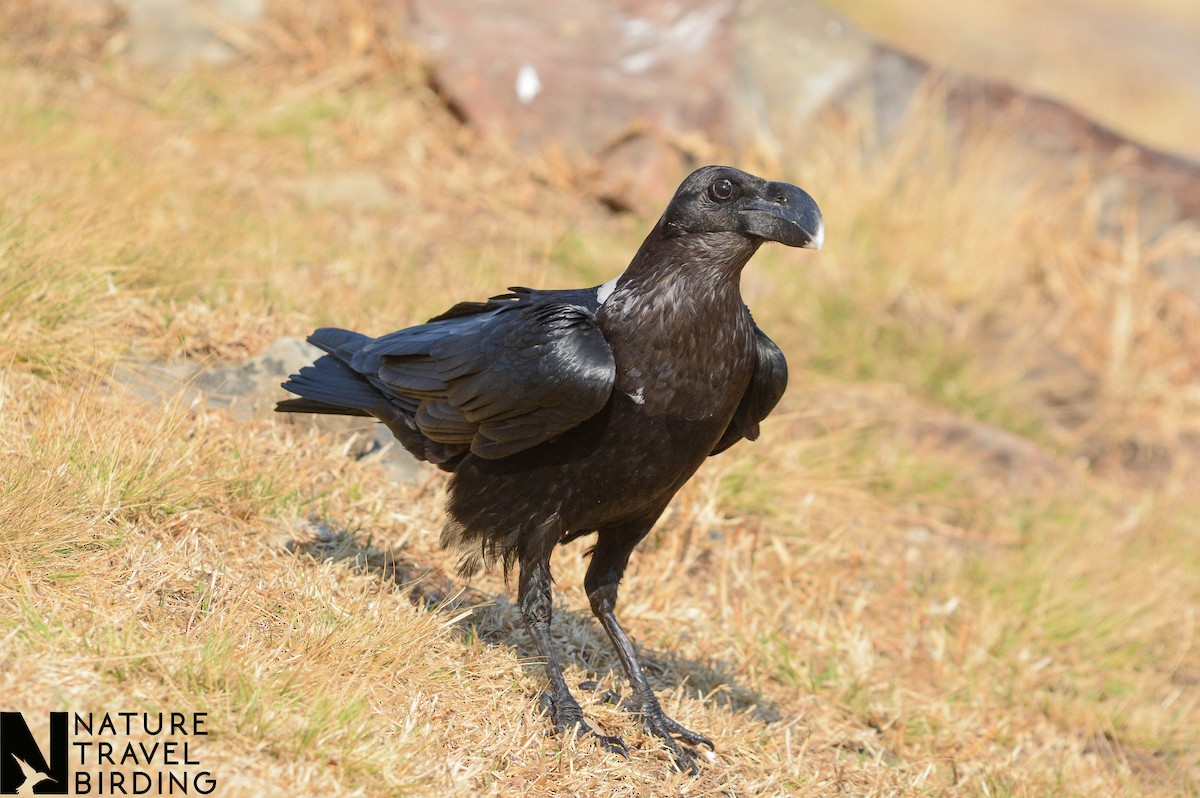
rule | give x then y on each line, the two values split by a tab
29	773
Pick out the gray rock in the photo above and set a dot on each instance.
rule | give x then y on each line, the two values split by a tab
246	389
250	390
386	451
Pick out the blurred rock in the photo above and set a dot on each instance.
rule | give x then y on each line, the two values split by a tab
1164	189
978	451
597	77
793	60
582	71
670	78
648	90
182	33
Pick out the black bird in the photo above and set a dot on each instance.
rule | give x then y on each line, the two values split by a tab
31	776
562	413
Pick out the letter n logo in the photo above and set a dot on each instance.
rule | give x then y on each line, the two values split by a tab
24	770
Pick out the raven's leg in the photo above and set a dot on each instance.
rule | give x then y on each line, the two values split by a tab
533	596
609	559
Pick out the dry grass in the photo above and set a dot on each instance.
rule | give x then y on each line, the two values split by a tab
845	607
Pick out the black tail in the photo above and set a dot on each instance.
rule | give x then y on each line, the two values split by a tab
313	406
330	385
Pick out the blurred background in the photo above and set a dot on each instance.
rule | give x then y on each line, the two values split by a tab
1130	66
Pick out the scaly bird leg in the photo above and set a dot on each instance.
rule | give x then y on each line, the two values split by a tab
609	559
534	599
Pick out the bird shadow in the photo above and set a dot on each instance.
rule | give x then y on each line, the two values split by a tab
493	618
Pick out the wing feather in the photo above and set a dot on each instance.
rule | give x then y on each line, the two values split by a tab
508	377
766	388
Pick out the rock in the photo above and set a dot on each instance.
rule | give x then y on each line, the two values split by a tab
793	60
1164	188
182	33
979	451
251	389
529	70
600	78
248	389
672	80
890	83
386	451
158	382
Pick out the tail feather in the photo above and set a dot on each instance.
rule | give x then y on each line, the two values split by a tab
313	406
339	342
330	385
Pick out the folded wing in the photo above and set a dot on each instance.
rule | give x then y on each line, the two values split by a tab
766	388
498	381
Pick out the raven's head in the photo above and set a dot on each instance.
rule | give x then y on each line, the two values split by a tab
721	199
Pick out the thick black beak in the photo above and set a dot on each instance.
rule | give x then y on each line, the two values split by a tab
786	214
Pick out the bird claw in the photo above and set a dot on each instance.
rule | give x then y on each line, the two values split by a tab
610	743
682	732
657	723
608	696
565	714
654	721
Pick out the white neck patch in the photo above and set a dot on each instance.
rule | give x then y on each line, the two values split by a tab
605	291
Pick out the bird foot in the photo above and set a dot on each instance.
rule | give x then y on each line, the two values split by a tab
565	714
659	724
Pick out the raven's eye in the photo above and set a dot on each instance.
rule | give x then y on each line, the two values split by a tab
721	190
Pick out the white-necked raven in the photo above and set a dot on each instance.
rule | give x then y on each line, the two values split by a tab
562	413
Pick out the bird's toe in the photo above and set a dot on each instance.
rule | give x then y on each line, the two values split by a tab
687	735
565	714
683	757
608	696
657	723
563	710
611	743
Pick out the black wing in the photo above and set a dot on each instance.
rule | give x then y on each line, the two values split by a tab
766	388
581	297
498	377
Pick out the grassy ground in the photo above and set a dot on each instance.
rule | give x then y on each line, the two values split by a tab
864	602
